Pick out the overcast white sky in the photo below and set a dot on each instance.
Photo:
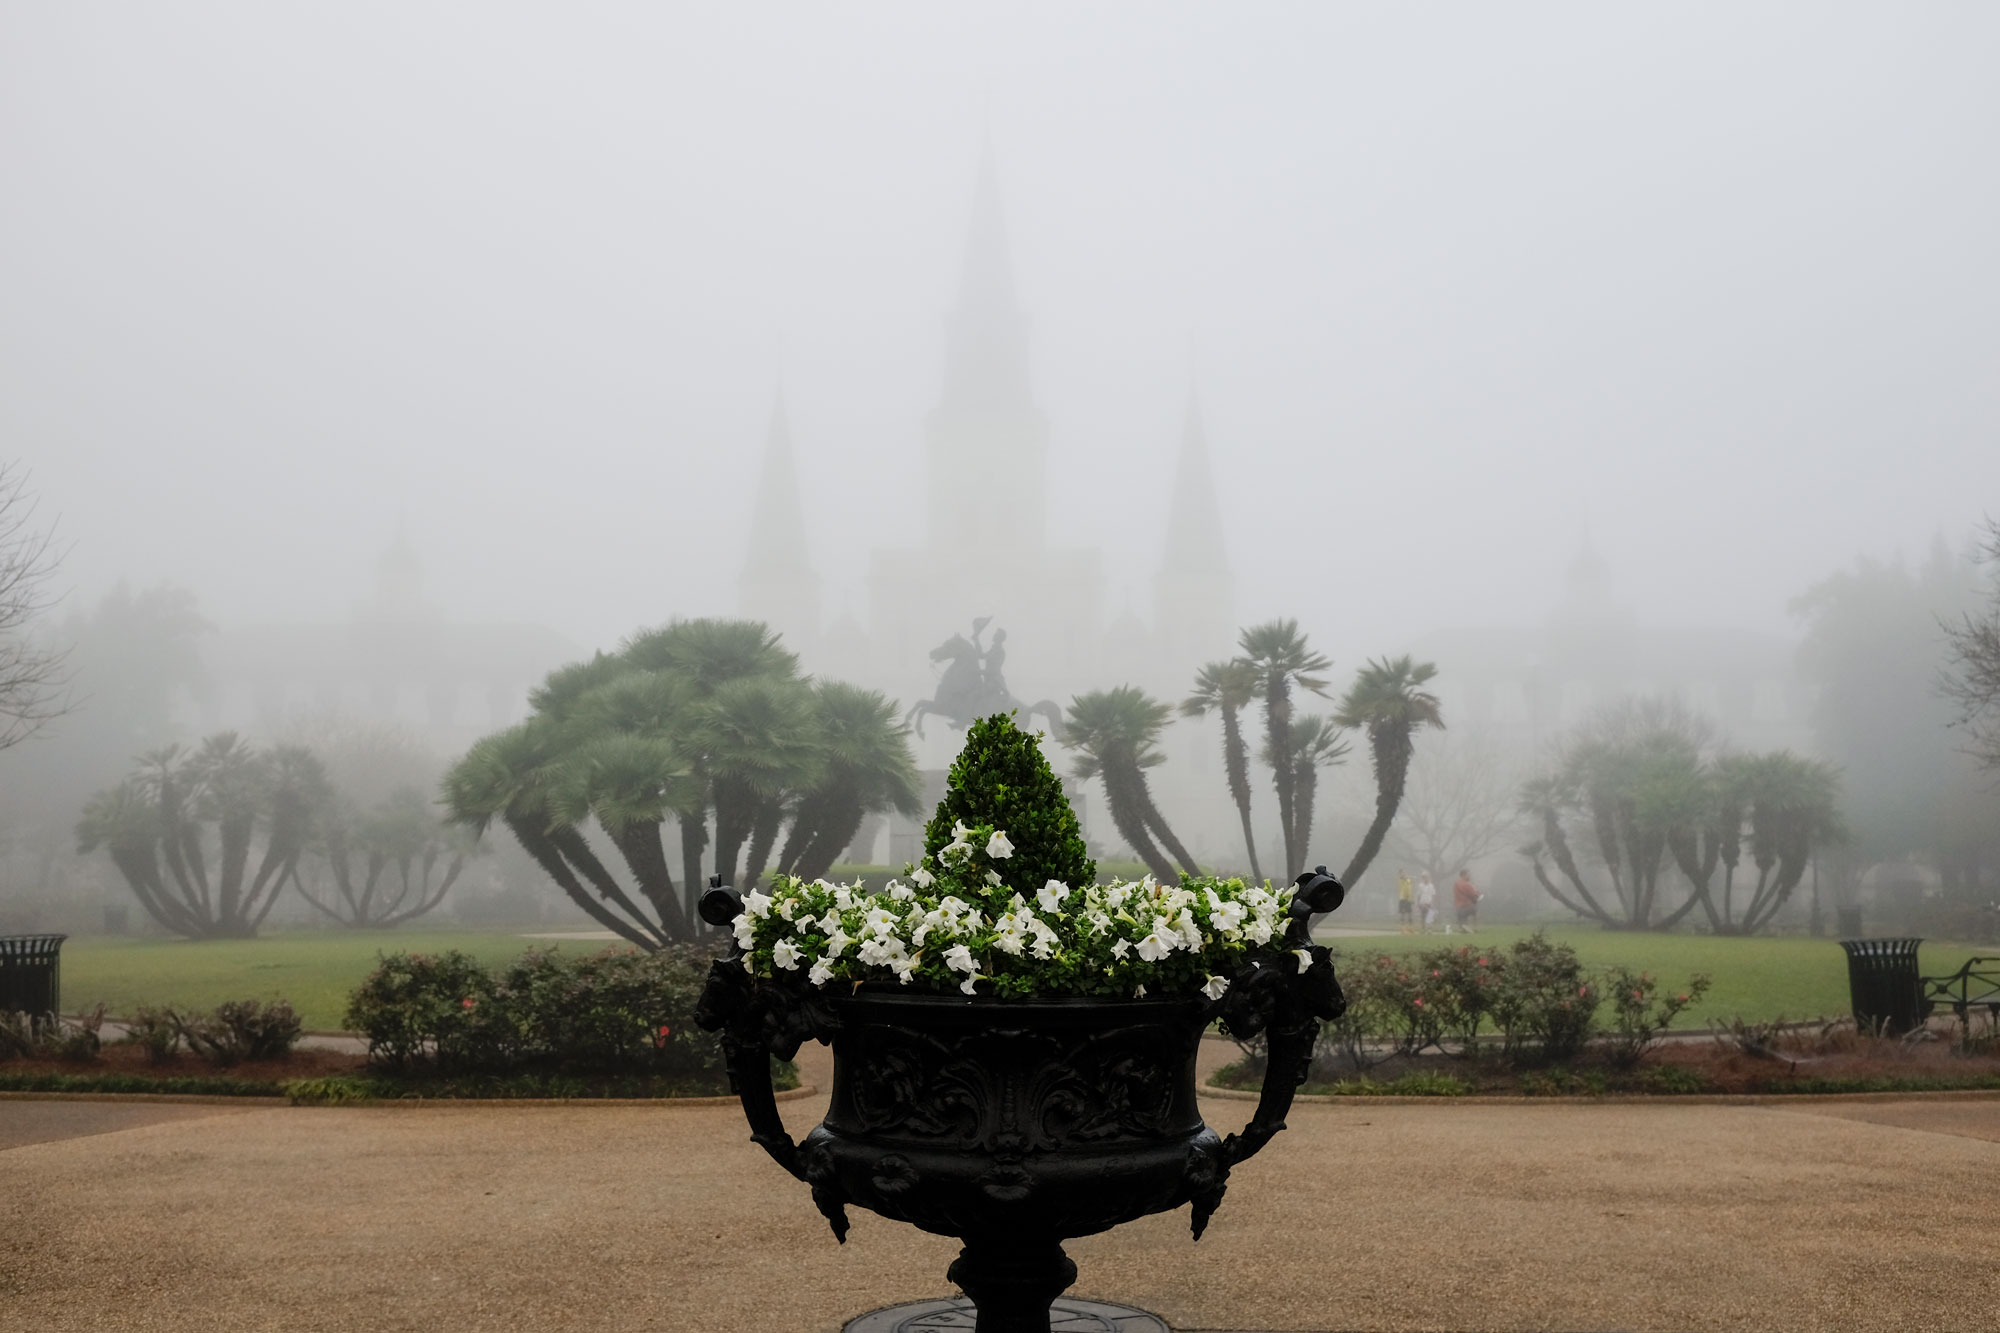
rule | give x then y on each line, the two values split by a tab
1721	282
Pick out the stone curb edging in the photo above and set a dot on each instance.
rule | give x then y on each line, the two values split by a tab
1623	1098
255	1099
268	1100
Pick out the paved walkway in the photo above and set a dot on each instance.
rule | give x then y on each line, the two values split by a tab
1831	1215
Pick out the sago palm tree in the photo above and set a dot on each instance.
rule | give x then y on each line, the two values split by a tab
1794	809
705	654
184	831
1115	734
541	786
1229	688
1387	700
759	738
662	729
868	766
1316	743
1283	661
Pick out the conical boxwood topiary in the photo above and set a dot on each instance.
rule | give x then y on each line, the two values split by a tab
1000	779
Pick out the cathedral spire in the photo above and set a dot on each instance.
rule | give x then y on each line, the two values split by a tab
987	439
1191	592
1194	521
778	585
986	278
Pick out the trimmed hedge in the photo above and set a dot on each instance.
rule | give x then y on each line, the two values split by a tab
619	1012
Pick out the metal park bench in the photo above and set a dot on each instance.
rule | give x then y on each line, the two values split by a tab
1973	987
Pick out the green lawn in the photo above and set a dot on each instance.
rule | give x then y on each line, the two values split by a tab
1790	976
314	969
1787	976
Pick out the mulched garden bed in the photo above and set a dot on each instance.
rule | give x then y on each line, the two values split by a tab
1804	1062
122	1067
322	1077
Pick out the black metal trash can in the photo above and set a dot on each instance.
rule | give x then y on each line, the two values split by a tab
31	973
1884	985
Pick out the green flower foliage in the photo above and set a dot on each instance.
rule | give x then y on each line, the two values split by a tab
1000	780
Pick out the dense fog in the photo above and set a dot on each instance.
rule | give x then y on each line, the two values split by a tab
369	363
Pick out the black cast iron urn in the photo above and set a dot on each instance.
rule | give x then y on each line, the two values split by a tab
1017	1124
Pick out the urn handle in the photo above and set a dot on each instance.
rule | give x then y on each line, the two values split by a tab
747	1016
1286	997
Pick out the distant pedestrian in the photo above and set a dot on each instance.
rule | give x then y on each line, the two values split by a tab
1405	902
1427	901
1466	899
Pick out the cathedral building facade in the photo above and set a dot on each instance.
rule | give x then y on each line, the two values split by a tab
986	438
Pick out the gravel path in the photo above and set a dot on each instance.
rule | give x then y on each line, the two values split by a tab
1829	1215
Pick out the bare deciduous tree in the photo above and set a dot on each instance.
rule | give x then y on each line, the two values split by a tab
1462	802
32	677
1972	680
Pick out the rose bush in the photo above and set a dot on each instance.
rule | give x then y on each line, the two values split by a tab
619	1011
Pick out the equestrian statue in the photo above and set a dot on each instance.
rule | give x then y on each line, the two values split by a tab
972	686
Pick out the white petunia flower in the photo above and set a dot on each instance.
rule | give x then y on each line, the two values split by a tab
787	906
1044	946
1305	958
837	942
966	985
1119	948
1258	931
1011	934
757	904
959	959
958	846
922	878
820	974
746	931
1115	896
1152	949
1215	987
1139	991
882	952
843	897
900	891
1052	895
786	955
993	878
998	847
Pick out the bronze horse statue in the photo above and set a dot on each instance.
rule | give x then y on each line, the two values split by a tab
972	686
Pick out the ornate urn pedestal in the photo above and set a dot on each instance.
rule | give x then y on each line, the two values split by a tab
1013	1124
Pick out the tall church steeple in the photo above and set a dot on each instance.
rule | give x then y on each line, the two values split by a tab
987	439
1191	592
778	585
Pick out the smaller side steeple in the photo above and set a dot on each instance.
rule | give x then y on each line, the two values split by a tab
778	585
1192	591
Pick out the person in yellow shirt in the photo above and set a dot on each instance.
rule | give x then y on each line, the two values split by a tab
1405	901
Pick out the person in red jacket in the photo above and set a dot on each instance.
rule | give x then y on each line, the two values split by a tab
1466	899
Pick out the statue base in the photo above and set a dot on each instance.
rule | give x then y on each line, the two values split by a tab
1067	1315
